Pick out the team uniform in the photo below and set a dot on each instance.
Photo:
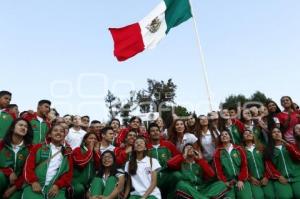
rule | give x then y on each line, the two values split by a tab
123	134
283	117
256	166
142	179
236	129
6	120
166	178
194	179
12	160
285	166
74	137
85	162
40	127
57	170
231	165
105	185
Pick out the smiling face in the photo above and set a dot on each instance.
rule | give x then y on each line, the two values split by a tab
21	128
191	121
247	115
203	121
248	136
107	160
286	102
179	126
225	137
135	124
272	107
225	114
139	145
57	134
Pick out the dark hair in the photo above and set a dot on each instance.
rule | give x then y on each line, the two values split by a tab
67	115
292	103
12	106
105	129
132	166
86	116
173	134
187	144
2	93
114	119
56	113
86	136
113	168
135	117
41	102
219	137
269	152
270	117
95	122
27	138
151	125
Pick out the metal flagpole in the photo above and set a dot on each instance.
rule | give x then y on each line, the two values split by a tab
202	59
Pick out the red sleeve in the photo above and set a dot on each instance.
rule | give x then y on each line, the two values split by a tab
218	166
175	162
28	116
97	157
121	155
19	182
7	171
208	171
240	125
293	150
171	147
272	172
29	168
65	179
121	137
244	168
81	159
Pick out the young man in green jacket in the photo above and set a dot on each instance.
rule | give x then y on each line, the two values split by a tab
6	118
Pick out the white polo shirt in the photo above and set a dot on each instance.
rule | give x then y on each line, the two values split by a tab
141	181
74	137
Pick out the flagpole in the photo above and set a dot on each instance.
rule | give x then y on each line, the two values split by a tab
202	59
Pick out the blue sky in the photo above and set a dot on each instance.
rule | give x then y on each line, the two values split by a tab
61	50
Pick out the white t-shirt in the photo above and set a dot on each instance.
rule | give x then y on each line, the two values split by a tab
141	181
54	163
109	148
188	138
74	137
208	145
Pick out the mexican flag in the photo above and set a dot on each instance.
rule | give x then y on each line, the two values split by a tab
147	33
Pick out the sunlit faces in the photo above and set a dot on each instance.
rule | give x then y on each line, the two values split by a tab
135	124
44	109
57	134
108	136
179	126
154	133
225	114
107	160
286	102
276	134
248	136
91	139
159	122
68	120
191	121
131	137
115	125
77	120
272	107
21	128
247	115
140	145
203	120
225	137
5	101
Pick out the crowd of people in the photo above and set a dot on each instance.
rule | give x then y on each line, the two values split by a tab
248	153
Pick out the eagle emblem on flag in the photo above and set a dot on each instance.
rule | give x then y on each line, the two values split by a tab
154	25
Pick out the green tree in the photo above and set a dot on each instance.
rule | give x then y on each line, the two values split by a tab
113	103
